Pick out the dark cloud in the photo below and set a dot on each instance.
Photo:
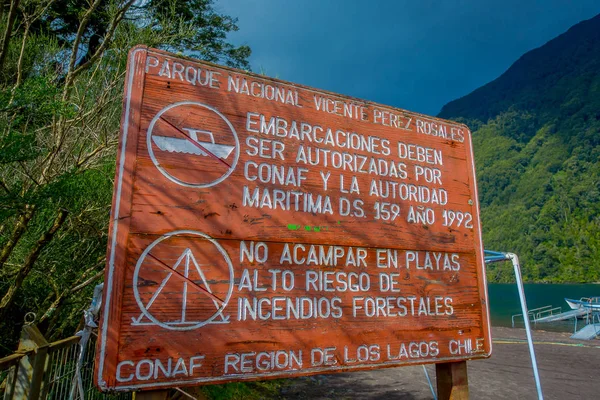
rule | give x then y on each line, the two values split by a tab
416	55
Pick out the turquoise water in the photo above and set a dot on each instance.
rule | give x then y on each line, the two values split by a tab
504	301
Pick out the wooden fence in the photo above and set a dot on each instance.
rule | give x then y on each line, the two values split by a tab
58	370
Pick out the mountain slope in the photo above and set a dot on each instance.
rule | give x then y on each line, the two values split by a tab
537	149
556	79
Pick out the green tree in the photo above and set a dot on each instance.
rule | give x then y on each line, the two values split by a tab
62	64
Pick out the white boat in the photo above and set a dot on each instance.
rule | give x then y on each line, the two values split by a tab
588	302
176	145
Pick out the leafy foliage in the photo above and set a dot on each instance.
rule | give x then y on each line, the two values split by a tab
537	146
61	80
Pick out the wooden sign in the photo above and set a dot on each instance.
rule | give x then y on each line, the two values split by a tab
265	229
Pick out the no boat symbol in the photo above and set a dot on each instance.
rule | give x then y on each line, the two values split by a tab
193	144
183	281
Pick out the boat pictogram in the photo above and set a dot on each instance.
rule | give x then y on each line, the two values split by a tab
176	145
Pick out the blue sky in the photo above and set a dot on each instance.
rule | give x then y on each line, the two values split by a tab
417	55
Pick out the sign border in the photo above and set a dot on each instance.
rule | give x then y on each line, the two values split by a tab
127	120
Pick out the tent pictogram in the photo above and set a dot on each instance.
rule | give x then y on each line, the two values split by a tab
179	293
187	259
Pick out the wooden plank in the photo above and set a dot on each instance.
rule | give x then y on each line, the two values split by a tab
13	359
61	344
452	381
37	377
265	229
12	382
29	373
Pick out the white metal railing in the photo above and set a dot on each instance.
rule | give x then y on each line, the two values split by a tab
536	314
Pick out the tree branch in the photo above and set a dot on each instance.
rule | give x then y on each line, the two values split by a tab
4	186
111	30
60	299
12	14
77	41
86	282
20	61
18	231
27	173
89	156
30	261
28	20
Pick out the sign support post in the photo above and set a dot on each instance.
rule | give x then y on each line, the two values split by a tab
152	395
452	381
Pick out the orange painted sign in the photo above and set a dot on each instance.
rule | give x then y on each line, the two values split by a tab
265	229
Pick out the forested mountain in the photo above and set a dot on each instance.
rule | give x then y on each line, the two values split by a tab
536	134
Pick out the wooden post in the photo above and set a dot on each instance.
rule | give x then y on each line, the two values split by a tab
452	381
30	371
39	367
151	395
13	373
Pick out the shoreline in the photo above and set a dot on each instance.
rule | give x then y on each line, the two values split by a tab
566	367
502	332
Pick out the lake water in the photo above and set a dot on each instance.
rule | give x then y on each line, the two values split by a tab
504	301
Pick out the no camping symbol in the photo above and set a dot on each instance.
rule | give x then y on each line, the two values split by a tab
183	281
192	144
